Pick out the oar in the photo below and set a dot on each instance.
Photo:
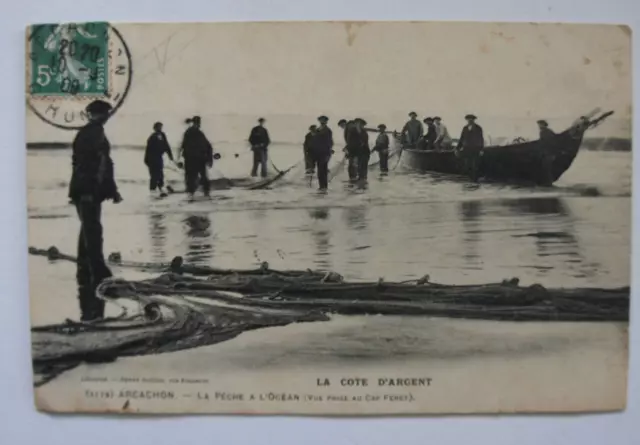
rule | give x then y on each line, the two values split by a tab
594	123
588	116
375	130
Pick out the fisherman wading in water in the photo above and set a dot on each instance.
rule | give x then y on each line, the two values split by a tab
92	182
363	152
197	152
321	151
259	140
470	146
382	147
352	148
308	148
157	146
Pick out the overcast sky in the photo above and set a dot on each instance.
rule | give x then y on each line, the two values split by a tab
508	74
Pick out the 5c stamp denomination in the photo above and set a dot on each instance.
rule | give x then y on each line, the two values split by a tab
70	65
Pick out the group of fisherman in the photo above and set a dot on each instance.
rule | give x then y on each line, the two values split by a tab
318	148
92	181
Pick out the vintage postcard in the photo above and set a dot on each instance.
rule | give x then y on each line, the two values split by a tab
329	218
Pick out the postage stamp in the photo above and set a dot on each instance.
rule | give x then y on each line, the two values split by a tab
70	65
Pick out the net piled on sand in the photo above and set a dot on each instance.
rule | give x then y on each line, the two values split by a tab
188	306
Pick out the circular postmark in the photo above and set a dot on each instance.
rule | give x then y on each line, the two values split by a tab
69	65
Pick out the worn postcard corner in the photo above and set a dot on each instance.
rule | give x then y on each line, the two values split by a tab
329	218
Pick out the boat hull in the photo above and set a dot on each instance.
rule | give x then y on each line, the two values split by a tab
536	162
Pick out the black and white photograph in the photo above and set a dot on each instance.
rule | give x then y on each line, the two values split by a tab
329	218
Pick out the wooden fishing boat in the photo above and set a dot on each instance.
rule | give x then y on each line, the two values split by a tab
540	162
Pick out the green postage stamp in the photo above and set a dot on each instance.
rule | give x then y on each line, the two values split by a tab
70	59
70	64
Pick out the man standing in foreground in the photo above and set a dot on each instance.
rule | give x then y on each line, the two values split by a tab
92	182
322	148
157	146
259	140
470	145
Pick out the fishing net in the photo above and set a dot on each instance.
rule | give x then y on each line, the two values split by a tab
185	306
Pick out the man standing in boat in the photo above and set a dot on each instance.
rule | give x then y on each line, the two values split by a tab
432	134
382	147
197	152
259	140
470	146
322	148
92	182
308	147
547	153
412	131
443	140
157	146
546	133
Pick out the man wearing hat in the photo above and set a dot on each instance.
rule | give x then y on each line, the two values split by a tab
307	148
443	139
198	156
92	182
432	134
362	152
470	145
546	133
321	151
352	143
259	140
382	147
157	146
412	131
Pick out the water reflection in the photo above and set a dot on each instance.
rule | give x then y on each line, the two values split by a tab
198	232
158	233
358	243
321	235
552	229
470	213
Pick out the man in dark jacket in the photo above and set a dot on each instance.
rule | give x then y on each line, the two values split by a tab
259	140
412	131
470	145
363	152
198	156
353	141
157	146
322	148
548	153
308	147
546	133
92	182
432	134
382	147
